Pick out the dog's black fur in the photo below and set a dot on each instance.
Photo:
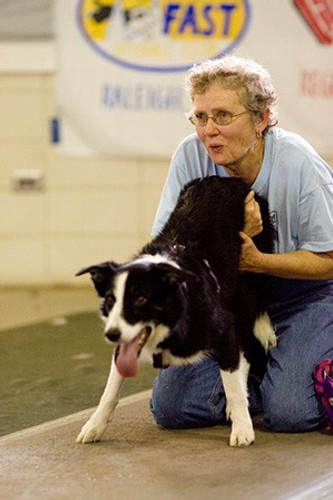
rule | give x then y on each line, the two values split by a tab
203	236
186	284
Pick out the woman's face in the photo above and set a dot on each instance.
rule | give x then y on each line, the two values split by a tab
228	145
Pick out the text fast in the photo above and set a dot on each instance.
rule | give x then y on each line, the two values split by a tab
201	19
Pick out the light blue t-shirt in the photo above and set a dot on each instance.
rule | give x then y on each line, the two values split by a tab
295	181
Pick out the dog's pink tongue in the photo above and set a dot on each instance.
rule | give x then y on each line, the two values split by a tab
127	359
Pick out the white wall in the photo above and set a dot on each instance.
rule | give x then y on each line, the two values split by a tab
89	210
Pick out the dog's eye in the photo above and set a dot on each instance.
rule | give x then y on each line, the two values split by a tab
109	300
140	301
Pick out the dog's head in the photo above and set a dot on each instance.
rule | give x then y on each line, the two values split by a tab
142	301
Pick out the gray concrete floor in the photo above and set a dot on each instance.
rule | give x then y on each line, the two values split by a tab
140	461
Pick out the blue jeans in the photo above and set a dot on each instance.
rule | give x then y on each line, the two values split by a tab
302	315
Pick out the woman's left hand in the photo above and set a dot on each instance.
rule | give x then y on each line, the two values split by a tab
301	264
250	255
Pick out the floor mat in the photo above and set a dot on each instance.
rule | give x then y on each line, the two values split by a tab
52	369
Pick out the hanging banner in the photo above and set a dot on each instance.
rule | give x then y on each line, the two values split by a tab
121	67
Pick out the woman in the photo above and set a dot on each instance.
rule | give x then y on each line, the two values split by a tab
234	115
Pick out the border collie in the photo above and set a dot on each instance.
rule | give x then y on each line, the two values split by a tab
182	298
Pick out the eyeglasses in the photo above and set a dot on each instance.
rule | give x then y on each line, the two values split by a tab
219	118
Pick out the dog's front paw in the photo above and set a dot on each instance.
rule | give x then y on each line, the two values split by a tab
92	431
241	436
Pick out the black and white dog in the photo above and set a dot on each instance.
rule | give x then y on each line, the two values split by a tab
183	298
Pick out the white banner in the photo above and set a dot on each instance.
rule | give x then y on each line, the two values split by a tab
121	66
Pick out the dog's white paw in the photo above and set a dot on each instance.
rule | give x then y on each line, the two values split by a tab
242	436
92	431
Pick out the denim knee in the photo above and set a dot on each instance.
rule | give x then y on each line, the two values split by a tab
285	411
165	410
167	402
188	396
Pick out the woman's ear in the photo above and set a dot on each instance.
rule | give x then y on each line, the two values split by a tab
262	122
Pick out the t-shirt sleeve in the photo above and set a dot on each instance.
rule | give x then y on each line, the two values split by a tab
175	181
316	220
298	185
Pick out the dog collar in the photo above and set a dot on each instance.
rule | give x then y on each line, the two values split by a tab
158	361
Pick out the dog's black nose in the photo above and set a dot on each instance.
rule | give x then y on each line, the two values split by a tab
113	335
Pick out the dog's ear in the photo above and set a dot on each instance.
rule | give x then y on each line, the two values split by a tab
100	275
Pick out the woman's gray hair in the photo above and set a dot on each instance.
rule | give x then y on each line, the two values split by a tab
249	79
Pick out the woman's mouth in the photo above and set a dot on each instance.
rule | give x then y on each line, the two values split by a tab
215	148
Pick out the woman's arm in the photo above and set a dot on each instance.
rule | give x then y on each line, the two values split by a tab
301	264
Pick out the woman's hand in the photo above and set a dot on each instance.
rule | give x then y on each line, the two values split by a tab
301	264
253	220
250	255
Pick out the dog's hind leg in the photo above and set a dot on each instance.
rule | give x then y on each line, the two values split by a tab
95	427
235	387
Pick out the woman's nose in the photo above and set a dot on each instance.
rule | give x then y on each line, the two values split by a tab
211	127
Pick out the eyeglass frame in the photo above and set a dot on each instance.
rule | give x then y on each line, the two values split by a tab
190	116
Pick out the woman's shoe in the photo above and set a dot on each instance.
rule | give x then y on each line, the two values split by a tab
323	375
